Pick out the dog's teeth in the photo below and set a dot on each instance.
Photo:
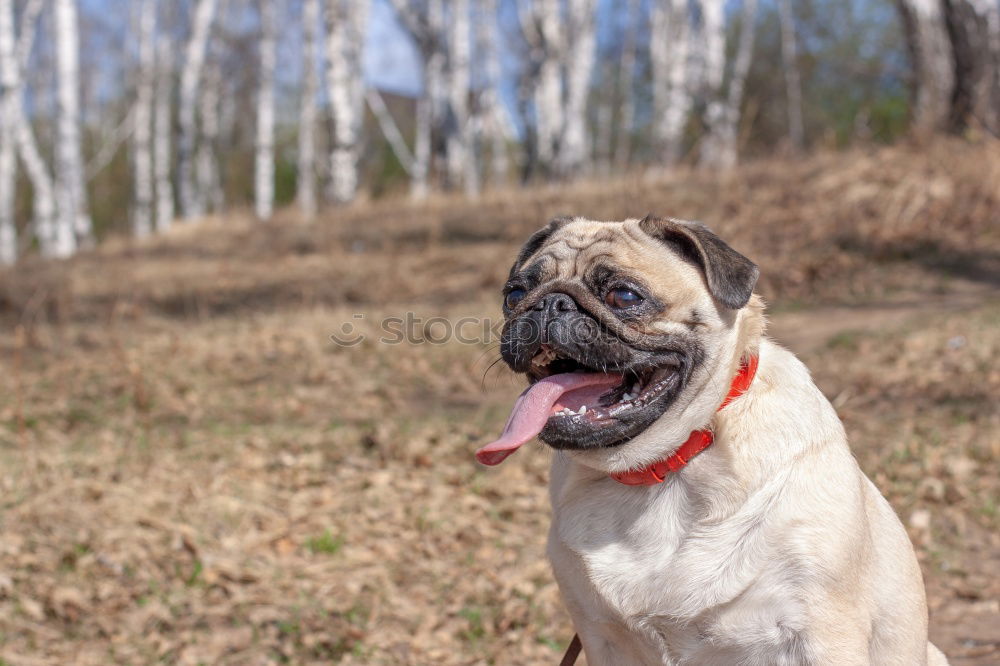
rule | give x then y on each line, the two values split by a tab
583	410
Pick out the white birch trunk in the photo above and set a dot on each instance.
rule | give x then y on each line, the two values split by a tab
12	118
26	32
264	166
974	27
460	154
431	107
44	202
423	122
496	122
714	54
744	56
992	13
604	132
670	58
8	178
626	87
142	214
209	180
390	130
71	195
549	121
579	63
9	103
12	73
933	62
163	130
346	23
793	85
305	194
488	116
194	60
426	24
720	146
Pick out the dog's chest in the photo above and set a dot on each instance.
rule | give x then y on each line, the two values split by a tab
635	568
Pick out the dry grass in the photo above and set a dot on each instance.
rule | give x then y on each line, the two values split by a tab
191	472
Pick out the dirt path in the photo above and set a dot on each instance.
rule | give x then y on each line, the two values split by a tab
806	330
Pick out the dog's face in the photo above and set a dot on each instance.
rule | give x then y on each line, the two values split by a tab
650	305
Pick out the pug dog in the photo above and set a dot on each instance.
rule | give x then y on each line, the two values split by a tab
706	508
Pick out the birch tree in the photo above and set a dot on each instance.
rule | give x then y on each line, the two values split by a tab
8	147
191	75
142	214
8	229
974	28
264	164
425	21
542	27
70	192
933	64
51	243
713	34
495	123
720	145
207	170
390	129
305	195
162	131
16	136
954	48
626	87
346	22
670	61
793	85
460	151
574	150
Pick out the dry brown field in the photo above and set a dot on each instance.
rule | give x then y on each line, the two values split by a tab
193	472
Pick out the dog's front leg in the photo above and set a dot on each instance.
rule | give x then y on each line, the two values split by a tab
605	641
610	646
610	643
843	638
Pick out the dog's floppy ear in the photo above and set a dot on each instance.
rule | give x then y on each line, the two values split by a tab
537	240
731	276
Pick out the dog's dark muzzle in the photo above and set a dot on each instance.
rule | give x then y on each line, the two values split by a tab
557	320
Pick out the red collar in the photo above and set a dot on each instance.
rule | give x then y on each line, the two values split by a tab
695	444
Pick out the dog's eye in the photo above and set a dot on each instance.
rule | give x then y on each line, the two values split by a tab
622	298
514	296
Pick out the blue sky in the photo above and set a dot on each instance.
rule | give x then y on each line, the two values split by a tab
391	60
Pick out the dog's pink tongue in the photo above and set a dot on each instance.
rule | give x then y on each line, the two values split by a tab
534	407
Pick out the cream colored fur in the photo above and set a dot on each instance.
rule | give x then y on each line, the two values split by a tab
771	547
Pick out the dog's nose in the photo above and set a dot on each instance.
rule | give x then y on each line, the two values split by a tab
556	302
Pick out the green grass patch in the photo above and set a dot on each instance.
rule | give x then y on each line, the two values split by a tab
476	629
325	544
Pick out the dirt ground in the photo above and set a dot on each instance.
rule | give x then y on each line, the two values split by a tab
192	472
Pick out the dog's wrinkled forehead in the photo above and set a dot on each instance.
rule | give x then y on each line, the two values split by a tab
675	258
568	247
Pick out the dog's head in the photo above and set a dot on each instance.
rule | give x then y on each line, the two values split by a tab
625	331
